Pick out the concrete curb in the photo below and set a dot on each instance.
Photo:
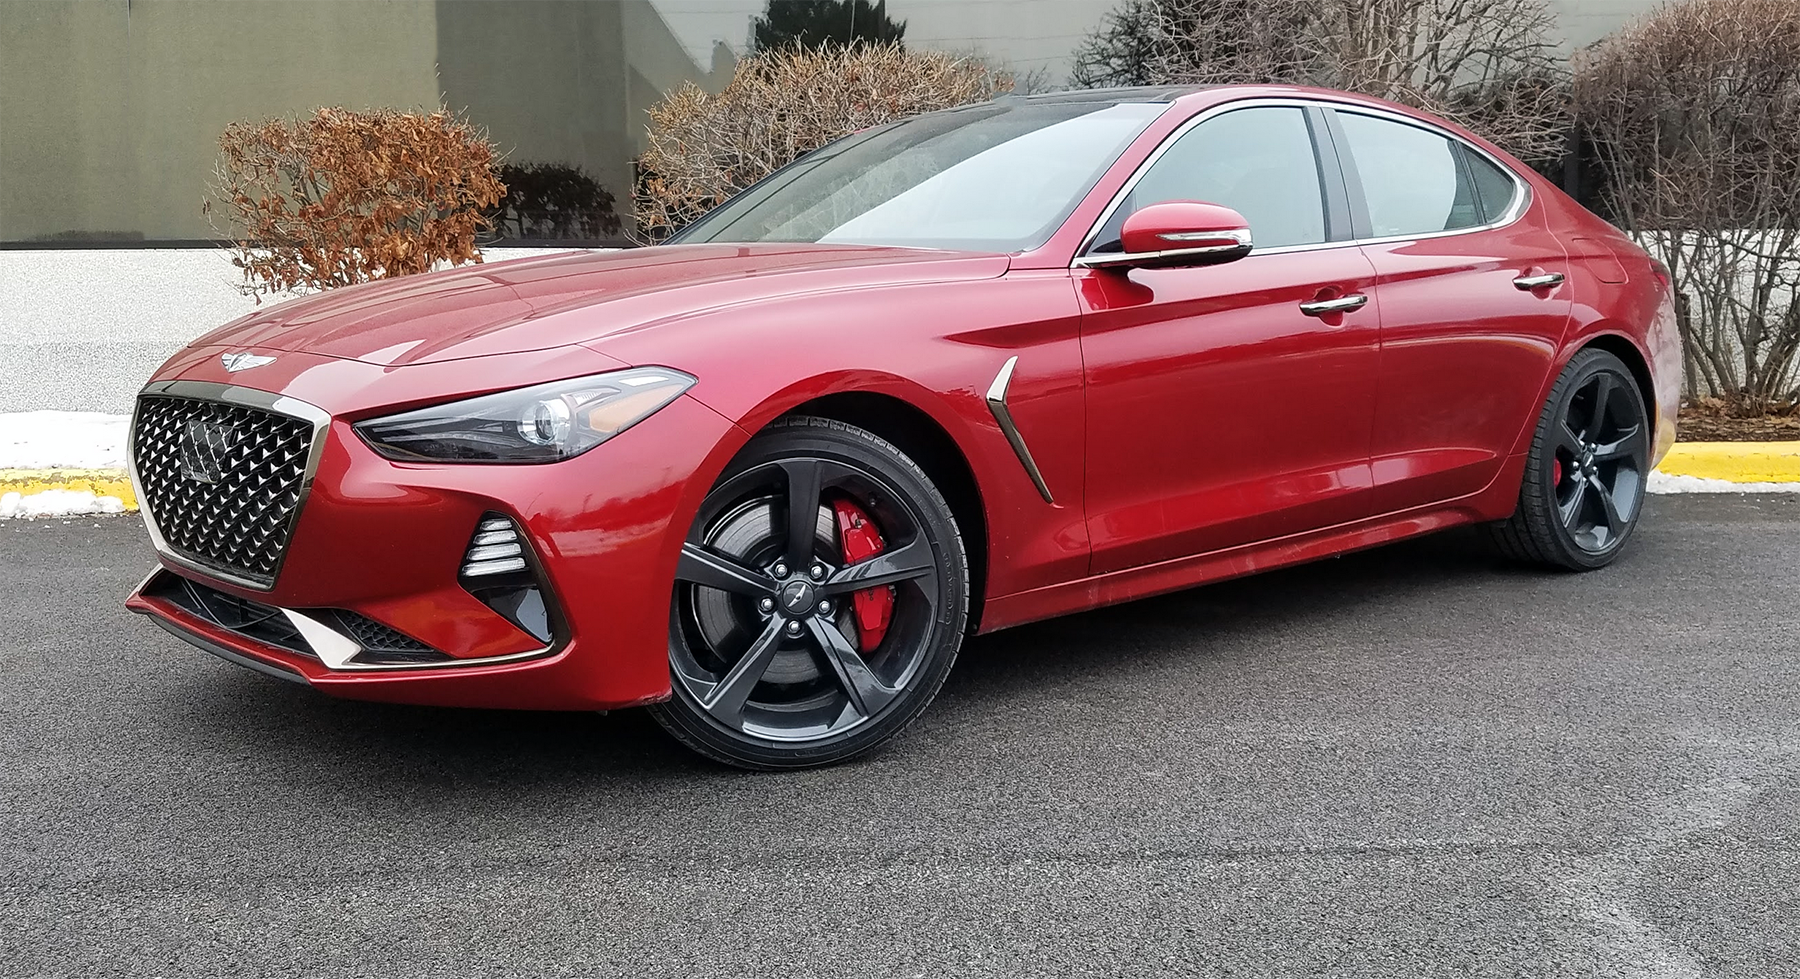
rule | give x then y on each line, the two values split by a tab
1735	462
64	492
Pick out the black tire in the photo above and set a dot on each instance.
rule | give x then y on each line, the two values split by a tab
1583	489
749	692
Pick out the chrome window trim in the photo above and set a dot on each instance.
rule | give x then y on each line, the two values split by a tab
1521	201
279	404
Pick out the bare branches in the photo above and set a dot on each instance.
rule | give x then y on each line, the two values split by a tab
1695	113
704	148
1488	64
346	197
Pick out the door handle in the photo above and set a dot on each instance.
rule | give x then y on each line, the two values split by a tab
1527	283
1342	304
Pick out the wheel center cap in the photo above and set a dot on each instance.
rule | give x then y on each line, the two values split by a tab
798	597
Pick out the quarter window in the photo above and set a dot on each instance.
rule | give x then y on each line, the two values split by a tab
1258	162
1413	179
1494	186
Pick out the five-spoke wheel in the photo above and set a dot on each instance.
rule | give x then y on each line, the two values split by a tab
1584	479
819	600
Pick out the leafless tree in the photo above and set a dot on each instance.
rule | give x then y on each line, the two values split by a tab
1489	64
1695	113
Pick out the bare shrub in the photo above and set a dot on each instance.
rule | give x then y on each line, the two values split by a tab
778	106
346	197
1694	111
1488	64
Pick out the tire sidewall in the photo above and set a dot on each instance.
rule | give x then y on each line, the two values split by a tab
1583	368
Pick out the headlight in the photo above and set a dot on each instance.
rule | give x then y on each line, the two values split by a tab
543	423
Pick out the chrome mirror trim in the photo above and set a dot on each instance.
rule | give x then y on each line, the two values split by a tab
1205	255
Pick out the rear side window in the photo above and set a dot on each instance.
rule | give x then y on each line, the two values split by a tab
1257	161
1495	187
1413	179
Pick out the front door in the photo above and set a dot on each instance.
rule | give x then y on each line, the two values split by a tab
1220	412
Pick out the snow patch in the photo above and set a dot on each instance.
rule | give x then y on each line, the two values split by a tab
1661	482
62	440
58	503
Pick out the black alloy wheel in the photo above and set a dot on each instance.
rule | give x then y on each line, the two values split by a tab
773	659
1584	478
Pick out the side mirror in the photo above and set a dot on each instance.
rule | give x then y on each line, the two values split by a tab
1178	233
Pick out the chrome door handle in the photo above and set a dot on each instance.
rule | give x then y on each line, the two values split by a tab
1342	304
1526	283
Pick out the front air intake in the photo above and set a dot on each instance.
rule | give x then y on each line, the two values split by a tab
499	569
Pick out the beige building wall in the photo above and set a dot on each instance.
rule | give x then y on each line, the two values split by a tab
110	111
1583	22
545	78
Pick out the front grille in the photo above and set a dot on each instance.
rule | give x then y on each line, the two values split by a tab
222	482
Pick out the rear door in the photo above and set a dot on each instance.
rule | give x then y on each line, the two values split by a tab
1220	412
1470	284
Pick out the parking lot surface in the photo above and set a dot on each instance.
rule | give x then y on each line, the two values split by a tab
1415	761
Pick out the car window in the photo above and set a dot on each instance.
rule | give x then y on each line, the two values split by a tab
1258	162
1000	176
1413	179
1494	186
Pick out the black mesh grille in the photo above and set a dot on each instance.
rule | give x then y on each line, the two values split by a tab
370	634
222	481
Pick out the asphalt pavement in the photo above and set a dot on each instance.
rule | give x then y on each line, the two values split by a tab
1411	762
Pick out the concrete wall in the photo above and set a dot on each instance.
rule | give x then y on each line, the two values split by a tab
546	79
110	112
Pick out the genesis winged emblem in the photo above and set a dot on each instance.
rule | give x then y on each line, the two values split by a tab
243	361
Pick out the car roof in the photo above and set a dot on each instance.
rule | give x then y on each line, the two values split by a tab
1133	93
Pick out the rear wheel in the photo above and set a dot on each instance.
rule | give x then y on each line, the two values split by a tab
819	601
1584	478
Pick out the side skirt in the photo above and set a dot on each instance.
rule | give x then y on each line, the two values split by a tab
1496	502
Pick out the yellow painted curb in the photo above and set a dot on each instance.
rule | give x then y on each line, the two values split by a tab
100	482
1736	462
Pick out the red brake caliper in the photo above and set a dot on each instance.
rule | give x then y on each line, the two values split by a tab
861	541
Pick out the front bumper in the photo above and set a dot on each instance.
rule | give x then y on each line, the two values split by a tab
384	541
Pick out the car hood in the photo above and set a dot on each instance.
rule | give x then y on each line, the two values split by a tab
573	297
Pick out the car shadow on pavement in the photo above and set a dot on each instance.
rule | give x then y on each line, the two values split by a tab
296	728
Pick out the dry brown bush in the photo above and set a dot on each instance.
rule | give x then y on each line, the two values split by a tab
778	106
346	197
1488	64
1694	111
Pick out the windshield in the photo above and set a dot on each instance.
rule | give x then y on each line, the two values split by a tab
994	177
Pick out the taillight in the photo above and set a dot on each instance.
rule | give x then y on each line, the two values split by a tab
1662	273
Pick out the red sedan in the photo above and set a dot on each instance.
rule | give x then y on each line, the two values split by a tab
968	370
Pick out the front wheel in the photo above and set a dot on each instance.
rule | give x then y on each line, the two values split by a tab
819	601
1584	477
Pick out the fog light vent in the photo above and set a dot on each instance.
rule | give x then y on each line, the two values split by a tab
495	549
498	570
